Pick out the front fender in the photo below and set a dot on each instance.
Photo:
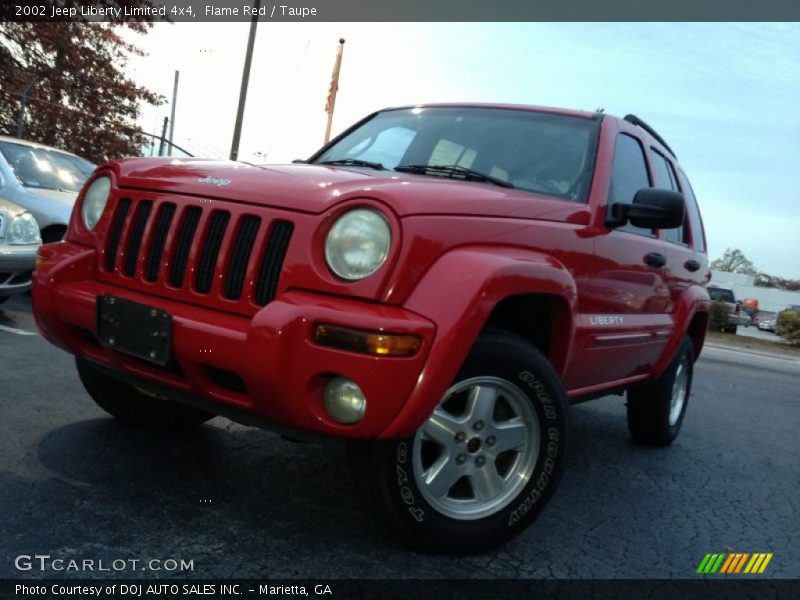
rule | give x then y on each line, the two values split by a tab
458	293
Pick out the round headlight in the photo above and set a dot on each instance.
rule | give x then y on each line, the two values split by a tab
23	229
357	244
94	201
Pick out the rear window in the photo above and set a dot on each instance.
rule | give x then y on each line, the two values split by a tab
721	295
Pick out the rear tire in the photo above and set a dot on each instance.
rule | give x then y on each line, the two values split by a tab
133	406
54	233
656	409
484	464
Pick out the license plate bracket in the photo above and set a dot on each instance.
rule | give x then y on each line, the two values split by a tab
135	329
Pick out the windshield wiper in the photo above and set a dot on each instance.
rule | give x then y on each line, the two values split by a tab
453	171
354	162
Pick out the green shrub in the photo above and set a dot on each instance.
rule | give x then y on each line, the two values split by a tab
718	315
788	326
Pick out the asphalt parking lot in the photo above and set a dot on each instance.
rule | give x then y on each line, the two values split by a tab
240	502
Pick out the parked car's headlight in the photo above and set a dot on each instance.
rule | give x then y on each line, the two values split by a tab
23	229
357	244
94	201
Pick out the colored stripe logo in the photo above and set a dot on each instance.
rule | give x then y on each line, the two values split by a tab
734	563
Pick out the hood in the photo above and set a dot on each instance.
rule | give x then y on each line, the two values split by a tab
65	198
316	189
9	208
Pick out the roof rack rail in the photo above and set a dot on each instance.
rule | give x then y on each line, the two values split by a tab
634	120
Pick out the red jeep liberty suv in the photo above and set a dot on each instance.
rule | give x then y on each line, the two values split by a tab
435	287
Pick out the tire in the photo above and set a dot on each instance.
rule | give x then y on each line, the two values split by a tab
656	409
731	329
486	461
54	233
134	407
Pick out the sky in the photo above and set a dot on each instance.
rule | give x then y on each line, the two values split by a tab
725	96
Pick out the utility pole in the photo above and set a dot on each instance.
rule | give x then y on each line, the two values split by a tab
24	103
172	114
248	59
163	137
334	88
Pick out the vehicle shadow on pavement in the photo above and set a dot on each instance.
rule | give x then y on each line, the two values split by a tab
220	480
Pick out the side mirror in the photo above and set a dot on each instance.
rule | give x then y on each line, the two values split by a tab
651	208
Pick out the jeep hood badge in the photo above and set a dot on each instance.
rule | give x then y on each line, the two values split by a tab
214	181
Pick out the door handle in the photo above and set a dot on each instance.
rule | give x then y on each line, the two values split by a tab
691	265
655	259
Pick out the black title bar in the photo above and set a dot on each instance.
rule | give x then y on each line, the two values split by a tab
394	11
381	589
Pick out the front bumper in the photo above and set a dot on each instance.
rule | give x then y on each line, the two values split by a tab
16	265
267	366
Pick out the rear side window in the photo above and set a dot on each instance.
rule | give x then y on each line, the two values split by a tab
665	178
663	170
693	212
628	174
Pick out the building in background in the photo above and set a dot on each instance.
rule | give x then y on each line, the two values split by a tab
770	300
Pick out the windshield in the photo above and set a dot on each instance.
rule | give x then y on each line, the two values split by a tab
532	151
46	169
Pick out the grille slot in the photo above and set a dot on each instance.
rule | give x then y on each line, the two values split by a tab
159	241
270	271
123	206
190	220
140	218
241	256
208	260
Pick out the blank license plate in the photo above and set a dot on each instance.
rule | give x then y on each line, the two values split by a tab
136	329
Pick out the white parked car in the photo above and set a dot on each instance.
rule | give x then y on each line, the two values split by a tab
19	240
767	324
43	180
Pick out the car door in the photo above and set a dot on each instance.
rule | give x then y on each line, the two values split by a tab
687	260
623	325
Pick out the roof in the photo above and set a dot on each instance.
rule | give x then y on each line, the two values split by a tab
527	107
14	140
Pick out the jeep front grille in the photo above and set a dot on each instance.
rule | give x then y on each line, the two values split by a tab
159	240
123	206
142	214
273	260
224	252
191	217
241	256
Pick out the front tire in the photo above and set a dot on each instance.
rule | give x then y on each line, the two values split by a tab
486	461
133	406
656	409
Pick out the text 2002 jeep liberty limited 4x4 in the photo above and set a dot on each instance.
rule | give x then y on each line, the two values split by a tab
435	286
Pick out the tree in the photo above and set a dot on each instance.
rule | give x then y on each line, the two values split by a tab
734	261
718	315
79	98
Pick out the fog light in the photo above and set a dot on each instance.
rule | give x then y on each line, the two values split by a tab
345	401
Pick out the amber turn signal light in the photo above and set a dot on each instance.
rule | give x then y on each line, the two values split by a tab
367	342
